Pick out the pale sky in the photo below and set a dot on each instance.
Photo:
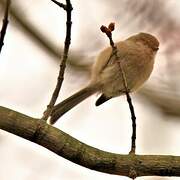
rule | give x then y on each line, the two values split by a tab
28	76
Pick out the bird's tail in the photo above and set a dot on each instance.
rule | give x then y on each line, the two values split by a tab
72	101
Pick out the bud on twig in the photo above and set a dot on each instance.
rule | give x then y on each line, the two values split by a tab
111	26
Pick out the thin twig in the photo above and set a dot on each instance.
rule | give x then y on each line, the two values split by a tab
60	4
5	23
131	107
68	8
133	117
108	32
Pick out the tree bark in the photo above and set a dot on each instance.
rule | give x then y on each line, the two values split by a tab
64	145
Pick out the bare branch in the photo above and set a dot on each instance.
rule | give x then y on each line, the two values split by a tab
108	32
5	23
60	78
60	4
64	145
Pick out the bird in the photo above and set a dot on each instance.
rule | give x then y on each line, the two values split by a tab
136	55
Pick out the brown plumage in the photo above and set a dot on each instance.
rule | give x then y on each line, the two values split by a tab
136	55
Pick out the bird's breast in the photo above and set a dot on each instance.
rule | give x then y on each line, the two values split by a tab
137	68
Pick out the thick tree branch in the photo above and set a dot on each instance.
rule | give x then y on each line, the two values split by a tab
64	145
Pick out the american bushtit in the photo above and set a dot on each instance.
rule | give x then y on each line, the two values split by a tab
136	55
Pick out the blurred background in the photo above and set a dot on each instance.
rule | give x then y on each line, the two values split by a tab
29	64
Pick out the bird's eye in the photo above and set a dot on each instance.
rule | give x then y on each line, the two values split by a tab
155	48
